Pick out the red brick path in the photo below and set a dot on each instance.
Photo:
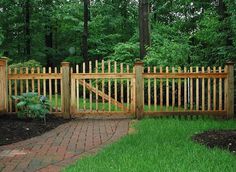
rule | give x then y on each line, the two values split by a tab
61	146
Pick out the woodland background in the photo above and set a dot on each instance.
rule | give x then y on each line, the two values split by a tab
181	32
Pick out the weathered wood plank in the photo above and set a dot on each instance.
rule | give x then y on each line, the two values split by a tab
155	90
220	90
209	90
214	90
173	90
197	90
203	91
179	90
149	91
184	75
161	91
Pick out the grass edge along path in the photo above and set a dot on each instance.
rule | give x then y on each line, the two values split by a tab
162	145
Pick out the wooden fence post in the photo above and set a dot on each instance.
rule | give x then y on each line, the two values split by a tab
230	89
139	89
66	75
3	85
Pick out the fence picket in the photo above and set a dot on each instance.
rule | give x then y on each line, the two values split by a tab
84	88
50	87
10	91
122	84
115	71
220	90
128	89
209	90
39	91
185	90
90	92
21	82
103	90
44	83
179	90
15	87
214	89
56	91
173	90
149	91
203	91
96	71
155	90
77	90
32	81
197	90
167	90
109	87
161	91
27	81
191	90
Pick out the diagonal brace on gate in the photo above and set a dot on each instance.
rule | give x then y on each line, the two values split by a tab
103	95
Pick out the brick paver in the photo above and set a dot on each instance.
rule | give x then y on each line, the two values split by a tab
62	146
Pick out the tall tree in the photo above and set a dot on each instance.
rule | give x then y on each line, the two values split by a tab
48	32
27	50
85	32
144	29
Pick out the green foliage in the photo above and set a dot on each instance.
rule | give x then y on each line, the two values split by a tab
169	47
209	29
125	53
30	105
183	32
74	60
29	64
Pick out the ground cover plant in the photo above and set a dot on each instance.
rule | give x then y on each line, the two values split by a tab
162	145
30	105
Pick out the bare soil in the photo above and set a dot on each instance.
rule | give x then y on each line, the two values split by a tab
13	129
223	139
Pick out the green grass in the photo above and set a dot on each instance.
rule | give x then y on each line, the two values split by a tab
162	145
106	105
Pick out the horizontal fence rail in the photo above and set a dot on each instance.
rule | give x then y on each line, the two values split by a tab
111	88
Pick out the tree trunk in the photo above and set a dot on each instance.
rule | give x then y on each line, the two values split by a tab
144	33
85	34
222	11
49	34
27	50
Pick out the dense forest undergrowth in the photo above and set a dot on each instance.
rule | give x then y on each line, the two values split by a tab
181	32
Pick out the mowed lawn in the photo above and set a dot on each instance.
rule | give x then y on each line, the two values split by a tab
162	145
87	104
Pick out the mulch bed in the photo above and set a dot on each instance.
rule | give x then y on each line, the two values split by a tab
13	129
223	139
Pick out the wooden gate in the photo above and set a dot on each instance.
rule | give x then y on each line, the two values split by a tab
107	88
3	85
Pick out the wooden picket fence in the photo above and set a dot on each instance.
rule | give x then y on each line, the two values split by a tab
109	88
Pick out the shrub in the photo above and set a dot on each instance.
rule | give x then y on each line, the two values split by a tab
30	105
29	64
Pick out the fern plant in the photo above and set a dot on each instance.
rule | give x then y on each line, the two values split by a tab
30	105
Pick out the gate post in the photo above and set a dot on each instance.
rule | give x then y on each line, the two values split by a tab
230	89
3	85
138	67
66	75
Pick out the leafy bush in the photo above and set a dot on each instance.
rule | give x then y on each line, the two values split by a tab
74	60
30	105
29	64
125	52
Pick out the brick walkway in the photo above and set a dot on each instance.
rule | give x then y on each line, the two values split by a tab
62	146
